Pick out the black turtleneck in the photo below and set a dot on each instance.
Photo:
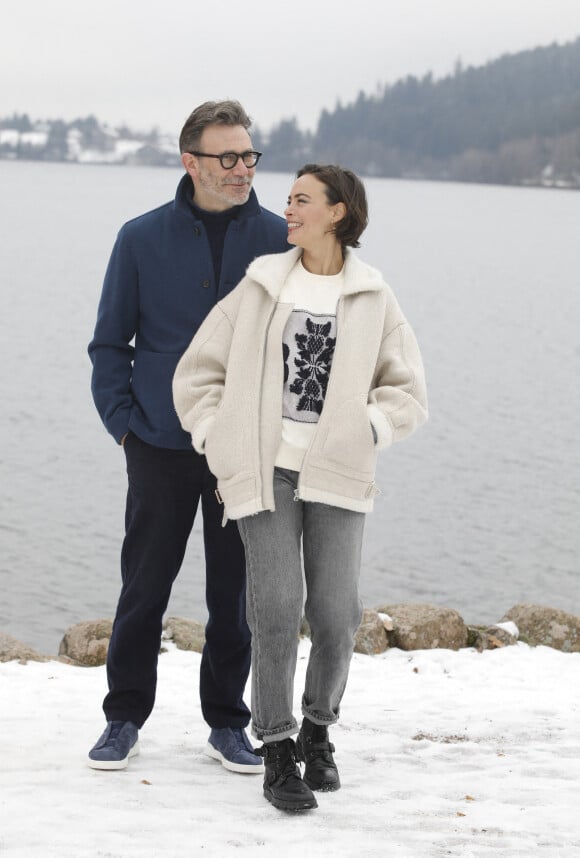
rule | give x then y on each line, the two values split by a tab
216	224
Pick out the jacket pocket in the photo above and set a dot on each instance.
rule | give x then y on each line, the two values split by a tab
151	388
224	444
348	440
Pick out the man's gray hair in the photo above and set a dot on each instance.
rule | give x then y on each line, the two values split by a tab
211	113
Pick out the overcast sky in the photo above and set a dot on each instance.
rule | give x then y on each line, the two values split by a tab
148	63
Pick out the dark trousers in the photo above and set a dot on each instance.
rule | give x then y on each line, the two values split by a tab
165	487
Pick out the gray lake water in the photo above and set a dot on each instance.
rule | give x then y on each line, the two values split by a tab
479	510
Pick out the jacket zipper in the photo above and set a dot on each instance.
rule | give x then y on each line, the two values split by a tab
259	433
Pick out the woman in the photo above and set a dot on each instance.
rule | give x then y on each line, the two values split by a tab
290	387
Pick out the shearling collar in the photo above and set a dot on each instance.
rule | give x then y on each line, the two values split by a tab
272	270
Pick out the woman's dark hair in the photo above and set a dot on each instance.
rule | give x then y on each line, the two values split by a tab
342	186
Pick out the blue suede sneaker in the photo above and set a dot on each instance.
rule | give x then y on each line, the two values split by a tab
115	746
233	749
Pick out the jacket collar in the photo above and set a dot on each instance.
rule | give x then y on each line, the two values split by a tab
185	194
271	272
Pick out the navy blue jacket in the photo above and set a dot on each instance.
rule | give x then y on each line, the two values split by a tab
158	289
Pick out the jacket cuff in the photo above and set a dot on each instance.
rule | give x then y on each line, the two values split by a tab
200	433
381	426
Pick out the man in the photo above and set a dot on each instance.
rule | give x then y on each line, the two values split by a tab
167	270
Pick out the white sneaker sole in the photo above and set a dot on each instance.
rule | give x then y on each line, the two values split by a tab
114	765
240	768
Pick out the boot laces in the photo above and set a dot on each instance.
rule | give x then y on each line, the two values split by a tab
282	756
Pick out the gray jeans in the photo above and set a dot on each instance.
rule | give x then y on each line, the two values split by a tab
332	542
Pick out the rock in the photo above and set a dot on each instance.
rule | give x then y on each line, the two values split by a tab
371	637
11	649
492	637
502	636
387	622
509	627
87	643
424	626
541	626
185	634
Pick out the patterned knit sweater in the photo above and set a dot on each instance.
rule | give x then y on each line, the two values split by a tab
308	347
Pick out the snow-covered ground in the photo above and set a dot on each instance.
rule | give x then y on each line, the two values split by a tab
440	753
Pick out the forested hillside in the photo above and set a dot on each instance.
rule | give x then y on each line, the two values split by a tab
515	120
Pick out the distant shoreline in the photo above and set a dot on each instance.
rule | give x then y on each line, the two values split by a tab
527	185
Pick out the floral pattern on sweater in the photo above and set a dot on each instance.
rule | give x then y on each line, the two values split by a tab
308	349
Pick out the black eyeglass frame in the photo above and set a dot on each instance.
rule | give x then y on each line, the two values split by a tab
238	155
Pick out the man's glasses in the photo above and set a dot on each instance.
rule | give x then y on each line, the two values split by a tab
228	160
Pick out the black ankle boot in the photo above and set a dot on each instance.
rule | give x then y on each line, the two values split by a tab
283	786
314	749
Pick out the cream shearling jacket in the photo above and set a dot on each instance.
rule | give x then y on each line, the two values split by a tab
227	389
